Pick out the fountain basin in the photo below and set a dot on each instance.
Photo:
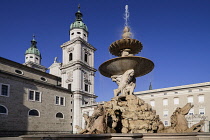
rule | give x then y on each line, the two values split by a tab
119	65
118	46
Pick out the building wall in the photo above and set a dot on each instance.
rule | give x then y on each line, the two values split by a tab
185	94
19	104
11	67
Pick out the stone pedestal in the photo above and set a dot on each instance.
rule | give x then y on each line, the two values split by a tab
111	136
120	136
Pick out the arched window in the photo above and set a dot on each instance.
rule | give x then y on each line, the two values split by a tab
59	115
33	112
70	56
3	110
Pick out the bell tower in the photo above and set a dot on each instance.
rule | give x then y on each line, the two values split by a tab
77	70
33	56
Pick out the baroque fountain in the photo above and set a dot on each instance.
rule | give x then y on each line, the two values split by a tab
126	113
127	116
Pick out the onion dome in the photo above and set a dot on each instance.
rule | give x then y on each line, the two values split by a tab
78	23
33	49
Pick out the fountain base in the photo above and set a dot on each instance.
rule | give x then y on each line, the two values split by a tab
118	136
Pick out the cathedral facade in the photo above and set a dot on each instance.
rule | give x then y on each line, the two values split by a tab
33	101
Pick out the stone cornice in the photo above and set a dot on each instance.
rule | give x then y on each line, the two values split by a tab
26	68
198	85
35	66
78	39
84	94
92	104
80	64
36	81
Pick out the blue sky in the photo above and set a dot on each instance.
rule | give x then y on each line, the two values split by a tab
175	35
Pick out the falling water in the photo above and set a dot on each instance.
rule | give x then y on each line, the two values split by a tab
126	15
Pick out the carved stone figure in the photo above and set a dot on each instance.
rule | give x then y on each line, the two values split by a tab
95	124
126	113
126	83
69	77
129	114
179	122
123	114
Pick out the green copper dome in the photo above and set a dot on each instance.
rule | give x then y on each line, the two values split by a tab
33	49
78	23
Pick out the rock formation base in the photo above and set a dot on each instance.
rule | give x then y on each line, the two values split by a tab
130	114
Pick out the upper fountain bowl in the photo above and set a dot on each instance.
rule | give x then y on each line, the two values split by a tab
119	65
117	47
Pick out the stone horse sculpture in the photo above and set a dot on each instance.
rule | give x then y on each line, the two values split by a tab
179	123
95	124
130	114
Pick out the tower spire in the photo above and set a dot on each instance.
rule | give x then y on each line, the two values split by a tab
78	14
33	42
150	86
33	39
78	28
78	7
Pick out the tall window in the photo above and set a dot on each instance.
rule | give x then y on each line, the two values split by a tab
86	57
69	87
152	103
33	112
190	99
165	113
86	87
202	111
34	96
3	110
60	100
191	112
166	123
4	89
165	101
70	56
200	98
176	100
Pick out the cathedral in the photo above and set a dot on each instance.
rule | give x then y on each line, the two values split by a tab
33	101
